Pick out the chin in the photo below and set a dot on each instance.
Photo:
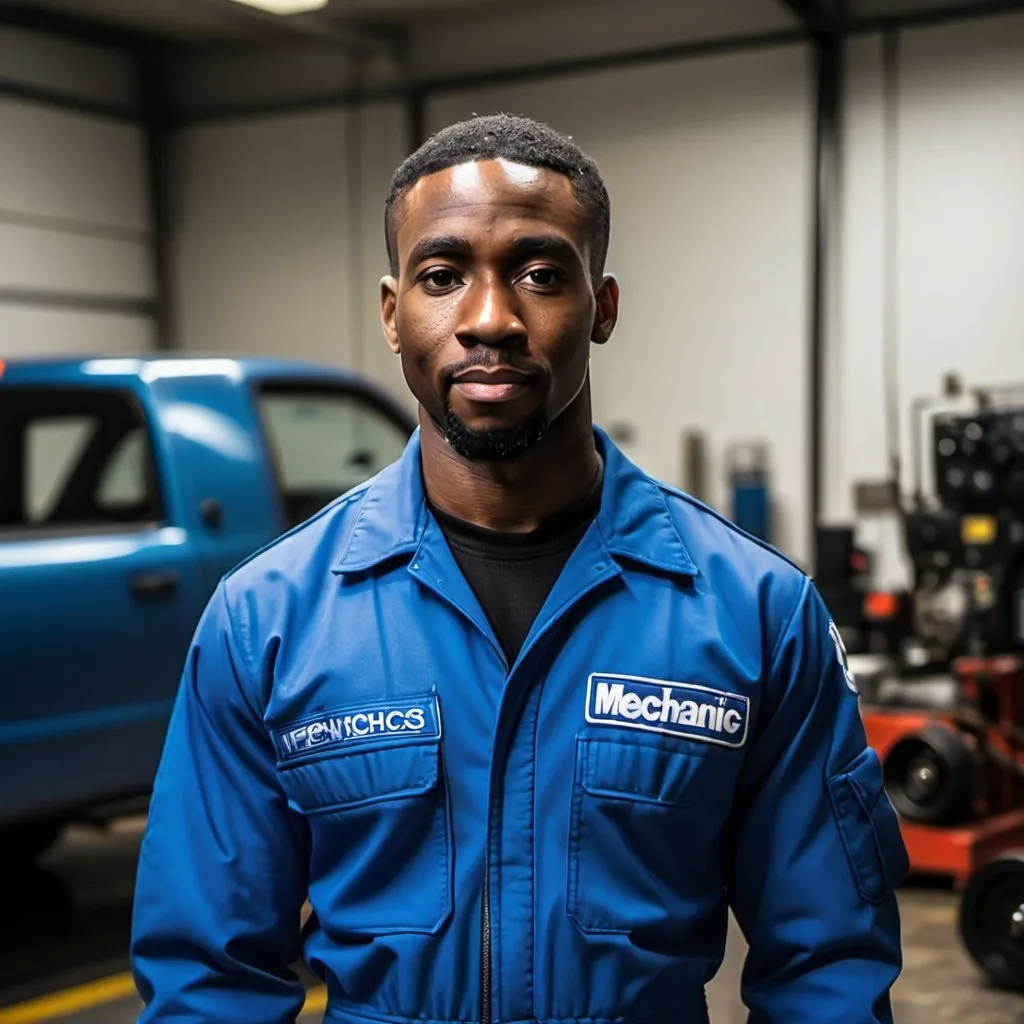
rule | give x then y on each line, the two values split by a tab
493	442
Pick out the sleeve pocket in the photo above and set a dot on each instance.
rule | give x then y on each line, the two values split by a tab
868	827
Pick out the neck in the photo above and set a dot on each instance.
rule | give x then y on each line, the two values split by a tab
519	495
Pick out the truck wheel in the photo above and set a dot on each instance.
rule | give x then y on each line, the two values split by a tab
930	776
992	920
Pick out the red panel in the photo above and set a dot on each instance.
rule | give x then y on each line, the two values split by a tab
885	726
959	852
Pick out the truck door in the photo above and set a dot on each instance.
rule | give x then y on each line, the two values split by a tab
99	596
323	439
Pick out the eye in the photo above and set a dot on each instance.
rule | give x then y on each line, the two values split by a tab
542	277
440	279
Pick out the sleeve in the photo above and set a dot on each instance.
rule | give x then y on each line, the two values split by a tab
818	851
222	870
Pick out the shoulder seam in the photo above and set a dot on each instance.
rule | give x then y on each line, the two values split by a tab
701	507
333	506
777	648
245	649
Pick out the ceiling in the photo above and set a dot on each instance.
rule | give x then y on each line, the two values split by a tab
208	21
199	21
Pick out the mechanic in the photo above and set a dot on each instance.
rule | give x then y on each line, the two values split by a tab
520	721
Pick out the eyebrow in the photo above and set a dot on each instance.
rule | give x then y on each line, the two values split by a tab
543	245
439	245
522	247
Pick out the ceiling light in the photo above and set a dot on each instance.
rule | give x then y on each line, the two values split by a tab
285	6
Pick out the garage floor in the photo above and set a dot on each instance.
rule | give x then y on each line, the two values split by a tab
69	932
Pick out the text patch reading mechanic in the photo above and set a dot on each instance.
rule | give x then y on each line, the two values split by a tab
674	709
414	717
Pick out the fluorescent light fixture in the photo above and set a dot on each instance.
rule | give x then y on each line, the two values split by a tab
285	6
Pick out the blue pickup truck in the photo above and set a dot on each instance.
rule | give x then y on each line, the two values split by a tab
127	488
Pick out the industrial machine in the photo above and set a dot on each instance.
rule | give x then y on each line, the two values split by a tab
954	766
966	542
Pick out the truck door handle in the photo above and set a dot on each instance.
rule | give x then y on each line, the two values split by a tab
155	583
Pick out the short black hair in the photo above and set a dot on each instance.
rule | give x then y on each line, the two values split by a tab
519	140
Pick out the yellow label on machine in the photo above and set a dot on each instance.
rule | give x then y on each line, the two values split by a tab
978	529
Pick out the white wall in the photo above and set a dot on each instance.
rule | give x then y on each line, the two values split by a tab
279	241
73	206
708	165
959	240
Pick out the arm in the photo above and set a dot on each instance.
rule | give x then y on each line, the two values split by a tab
817	849
222	870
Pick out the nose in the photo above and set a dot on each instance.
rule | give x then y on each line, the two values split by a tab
489	315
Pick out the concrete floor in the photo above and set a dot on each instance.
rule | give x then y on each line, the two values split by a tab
68	925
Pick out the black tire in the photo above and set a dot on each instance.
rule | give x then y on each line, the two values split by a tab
988	929
931	776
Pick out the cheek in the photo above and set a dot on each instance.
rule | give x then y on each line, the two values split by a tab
421	333
572	355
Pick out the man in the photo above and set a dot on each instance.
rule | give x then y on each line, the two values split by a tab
521	721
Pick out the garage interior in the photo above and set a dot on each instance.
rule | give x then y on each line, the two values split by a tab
817	225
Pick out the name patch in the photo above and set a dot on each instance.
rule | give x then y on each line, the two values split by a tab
412	717
674	709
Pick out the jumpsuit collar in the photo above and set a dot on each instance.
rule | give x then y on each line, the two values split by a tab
634	518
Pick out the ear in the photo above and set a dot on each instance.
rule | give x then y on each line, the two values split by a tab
389	312
607	313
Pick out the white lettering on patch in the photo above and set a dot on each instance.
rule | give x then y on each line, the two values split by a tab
673	709
410	718
843	658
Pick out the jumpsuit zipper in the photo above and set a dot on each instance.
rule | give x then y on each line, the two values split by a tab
485	957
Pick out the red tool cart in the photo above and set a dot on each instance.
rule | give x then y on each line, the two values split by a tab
956	777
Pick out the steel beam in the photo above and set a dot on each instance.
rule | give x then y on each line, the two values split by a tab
152	77
819	17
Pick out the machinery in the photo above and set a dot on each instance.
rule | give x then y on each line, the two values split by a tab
954	764
966	544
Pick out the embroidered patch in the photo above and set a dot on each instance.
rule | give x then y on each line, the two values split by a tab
417	716
674	709
842	657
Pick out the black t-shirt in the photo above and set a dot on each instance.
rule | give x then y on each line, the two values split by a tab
513	573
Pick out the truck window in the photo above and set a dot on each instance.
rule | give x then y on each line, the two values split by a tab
74	460
52	448
324	442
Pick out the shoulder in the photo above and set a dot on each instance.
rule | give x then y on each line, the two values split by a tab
292	572
736	566
303	550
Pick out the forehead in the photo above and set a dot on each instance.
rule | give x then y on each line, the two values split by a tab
490	198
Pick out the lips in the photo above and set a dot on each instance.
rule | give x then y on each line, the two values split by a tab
501	384
498	376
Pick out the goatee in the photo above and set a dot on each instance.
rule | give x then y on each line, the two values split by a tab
497	445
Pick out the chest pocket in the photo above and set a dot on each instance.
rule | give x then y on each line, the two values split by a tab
380	824
646	844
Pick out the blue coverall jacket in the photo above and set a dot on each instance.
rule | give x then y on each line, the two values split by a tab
559	839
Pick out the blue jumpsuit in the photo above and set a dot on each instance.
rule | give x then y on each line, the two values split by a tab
559	839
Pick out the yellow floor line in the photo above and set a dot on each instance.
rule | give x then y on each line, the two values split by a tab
105	990
316	1000
71	1000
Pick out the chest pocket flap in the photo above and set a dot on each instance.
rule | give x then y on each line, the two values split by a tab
630	770
360	777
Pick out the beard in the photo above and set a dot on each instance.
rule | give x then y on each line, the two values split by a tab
497	445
